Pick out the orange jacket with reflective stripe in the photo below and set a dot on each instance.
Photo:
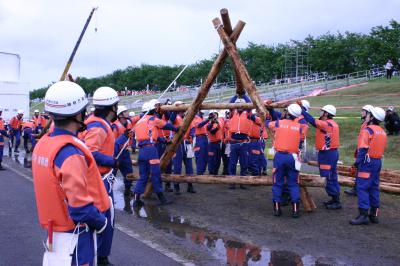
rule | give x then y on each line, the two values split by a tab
327	135
219	135
15	123
240	123
375	142
99	140
287	135
364	125
80	185
147	128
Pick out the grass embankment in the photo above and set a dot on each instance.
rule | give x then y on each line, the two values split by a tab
379	92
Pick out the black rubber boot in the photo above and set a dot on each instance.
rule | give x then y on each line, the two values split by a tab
362	218
137	203
335	205
295	210
373	215
168	187
103	261
329	201
351	191
127	201
190	188
163	199
277	209
177	189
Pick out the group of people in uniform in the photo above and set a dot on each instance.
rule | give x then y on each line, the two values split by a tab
75	163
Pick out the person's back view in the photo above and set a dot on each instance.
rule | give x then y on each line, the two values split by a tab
392	121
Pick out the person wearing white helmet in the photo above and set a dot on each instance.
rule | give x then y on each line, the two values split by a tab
184	152
3	133
39	120
68	187
327	142
100	140
365	111
286	162
131	114
146	134
371	147
239	126
122	129
15	127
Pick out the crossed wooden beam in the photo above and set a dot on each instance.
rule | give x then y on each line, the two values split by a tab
244	83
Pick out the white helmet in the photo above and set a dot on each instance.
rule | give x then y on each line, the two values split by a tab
378	113
153	103
121	108
36	111
65	98
240	100
390	108
178	103
146	107
131	114
330	109
294	109
305	104
105	96
368	108
92	109
20	112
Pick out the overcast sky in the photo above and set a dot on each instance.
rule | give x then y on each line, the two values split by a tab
129	32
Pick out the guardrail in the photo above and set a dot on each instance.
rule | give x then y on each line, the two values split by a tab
276	92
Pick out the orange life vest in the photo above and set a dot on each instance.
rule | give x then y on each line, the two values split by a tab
28	124
15	123
240	123
264	132
199	130
364	125
255	129
219	135
107	147
146	129
40	121
376	143
50	196
287	136
327	135
227	133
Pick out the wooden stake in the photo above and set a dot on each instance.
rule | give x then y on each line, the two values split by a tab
228	29
304	200
194	108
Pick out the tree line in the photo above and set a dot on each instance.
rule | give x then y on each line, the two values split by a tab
334	53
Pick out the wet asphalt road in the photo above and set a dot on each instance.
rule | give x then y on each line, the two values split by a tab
21	236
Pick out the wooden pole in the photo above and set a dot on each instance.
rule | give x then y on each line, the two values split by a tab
218	106
306	180
194	107
304	200
242	71
228	29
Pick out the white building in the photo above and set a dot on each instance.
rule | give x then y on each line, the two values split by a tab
14	94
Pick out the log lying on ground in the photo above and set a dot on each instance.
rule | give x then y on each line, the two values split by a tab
386	175
306	180
219	106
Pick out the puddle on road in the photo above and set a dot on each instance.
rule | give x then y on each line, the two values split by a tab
226	249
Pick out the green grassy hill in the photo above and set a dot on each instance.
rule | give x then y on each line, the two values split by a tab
380	92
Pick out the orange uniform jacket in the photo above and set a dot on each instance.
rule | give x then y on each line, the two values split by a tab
77	183
287	135
327	135
374	139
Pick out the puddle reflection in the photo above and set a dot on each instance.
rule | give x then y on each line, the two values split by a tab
226	249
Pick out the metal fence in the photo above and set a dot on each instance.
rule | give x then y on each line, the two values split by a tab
291	88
